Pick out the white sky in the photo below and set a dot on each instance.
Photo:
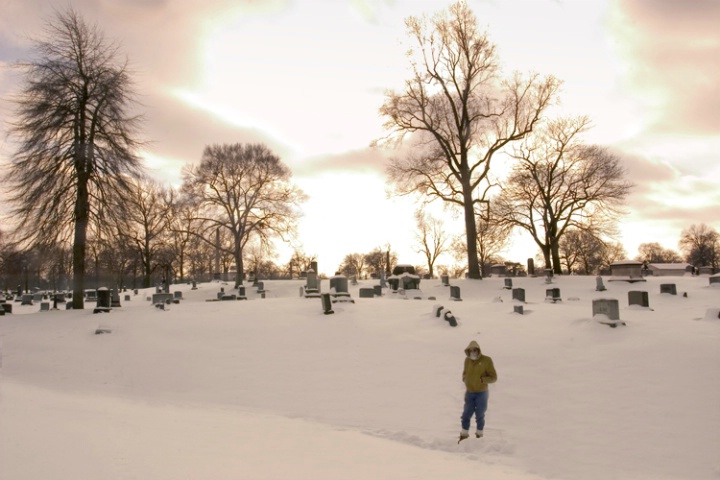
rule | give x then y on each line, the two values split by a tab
307	78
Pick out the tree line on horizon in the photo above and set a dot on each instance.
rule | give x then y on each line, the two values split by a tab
82	203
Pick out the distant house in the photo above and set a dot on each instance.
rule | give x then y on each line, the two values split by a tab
669	269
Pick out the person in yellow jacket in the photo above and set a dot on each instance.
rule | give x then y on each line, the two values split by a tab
478	373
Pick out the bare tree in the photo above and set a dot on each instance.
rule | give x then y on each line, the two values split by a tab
76	138
353	264
246	191
653	252
559	183
381	259
431	238
701	245
145	223
493	235
299	262
182	220
585	251
460	112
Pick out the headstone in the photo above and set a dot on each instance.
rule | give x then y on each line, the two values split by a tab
378	290
531	267
326	303
27	299
6	307
636	297
367	292
552	295
599	286
668	288
714	279
59	297
163	298
339	289
548	275
127	298
455	293
518	309
437	309
518	294
445	280
508	284
37	297
177	295
103	300
312	285
608	310
241	293
115	298
226	298
260	287
2	312
194	285
450	318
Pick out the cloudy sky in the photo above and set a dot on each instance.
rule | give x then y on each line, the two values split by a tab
307	78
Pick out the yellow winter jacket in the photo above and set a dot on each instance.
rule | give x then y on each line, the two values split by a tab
477	374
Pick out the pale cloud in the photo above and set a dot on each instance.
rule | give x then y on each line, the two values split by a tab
671	52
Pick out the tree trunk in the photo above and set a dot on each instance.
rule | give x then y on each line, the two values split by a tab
82	209
240	270
471	234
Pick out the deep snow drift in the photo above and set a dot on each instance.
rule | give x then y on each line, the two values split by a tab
274	389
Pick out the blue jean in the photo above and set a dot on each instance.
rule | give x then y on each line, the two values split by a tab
475	403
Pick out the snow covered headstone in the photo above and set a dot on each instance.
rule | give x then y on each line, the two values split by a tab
518	294
367	293
312	285
103	300
607	311
552	295
326	303
455	293
637	297
508	284
669	288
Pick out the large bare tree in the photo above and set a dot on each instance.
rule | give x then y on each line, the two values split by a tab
459	113
76	138
560	183
246	191
701	245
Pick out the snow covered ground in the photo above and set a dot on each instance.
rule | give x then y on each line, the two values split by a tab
274	389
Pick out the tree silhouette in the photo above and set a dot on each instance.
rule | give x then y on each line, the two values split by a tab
76	138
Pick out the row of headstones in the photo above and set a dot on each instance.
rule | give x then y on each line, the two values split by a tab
106	299
551	294
376	291
338	287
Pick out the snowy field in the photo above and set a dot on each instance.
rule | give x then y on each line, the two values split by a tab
274	389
